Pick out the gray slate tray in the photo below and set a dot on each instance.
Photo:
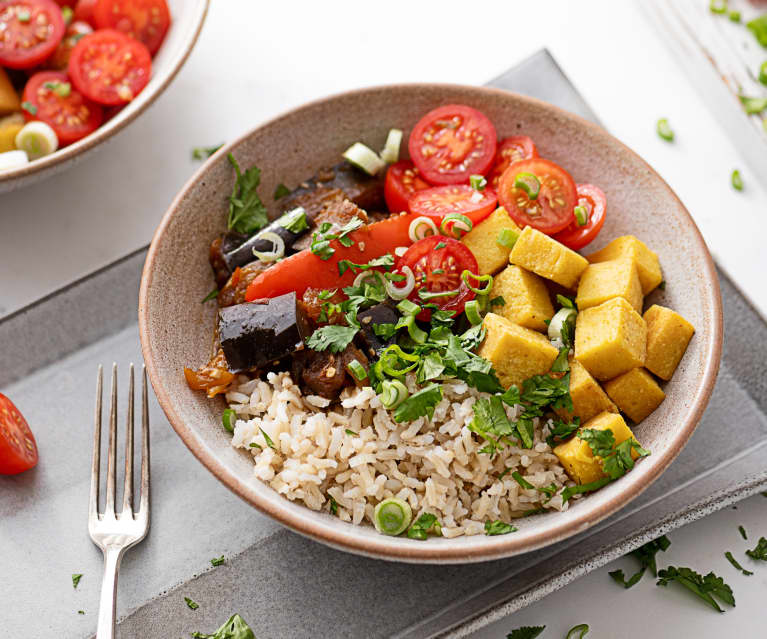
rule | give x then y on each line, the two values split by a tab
283	584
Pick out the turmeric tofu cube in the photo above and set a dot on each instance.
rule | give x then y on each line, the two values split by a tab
614	278
646	261
548	258
668	334
517	353
9	99
525	296
576	455
588	397
610	339
9	127
482	240
636	393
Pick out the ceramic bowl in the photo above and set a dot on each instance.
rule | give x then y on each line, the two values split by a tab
188	17
176	328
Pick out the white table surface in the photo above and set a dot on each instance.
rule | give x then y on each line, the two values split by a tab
256	59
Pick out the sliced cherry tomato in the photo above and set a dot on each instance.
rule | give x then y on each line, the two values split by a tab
402	180
593	199
18	450
437	263
451	143
305	269
144	20
109	67
510	150
70	114
30	30
551	210
84	10
60	58
439	201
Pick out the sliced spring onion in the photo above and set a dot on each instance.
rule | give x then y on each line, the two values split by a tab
736	180
421	227
390	152
560	317
455	225
67	13
357	370
390	357
472	312
664	130
734	16
278	247
429	295
763	73
393	393
364	276
400	251
364	157
718	6
392	516
581	215
477	182
507	238
229	418
37	139
529	183
467	274
581	628
62	89
416	334
406	307
401	292
13	160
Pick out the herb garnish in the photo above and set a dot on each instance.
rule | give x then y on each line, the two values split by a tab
616	460
421	527
728	556
294	221
191	604
326	233
561	430
217	561
491	423
210	296
497	301
759	552
646	556
758	26
386	261
742	532
247	212
581	628
204	152
81	612
498	528
76	579
234	628
420	404
526	632
281	191
333	505
706	587
29	108
753	105
267	439
333	337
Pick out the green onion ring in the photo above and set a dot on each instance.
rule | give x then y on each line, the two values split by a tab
479	278
392	516
357	370
581	215
472	312
394	351
428	295
507	238
529	183
393	393
460	224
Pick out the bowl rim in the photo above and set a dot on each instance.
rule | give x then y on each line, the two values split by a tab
500	546
50	163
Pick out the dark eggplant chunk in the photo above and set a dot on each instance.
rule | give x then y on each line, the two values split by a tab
290	226
255	334
366	191
371	343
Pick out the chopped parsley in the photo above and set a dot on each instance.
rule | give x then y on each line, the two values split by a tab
616	460
561	363
491	423
420	404
204	152
561	430
728	556
708	588
421	527
386	261
234	628
81	612
217	561
440	245
294	221
192	605
526	632
387	331
76	580
759	552
498	528
281	191
267	439
326	233
247	212
580	489
333	337
333	505
646	556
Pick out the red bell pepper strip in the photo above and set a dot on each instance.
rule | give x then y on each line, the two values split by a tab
306	270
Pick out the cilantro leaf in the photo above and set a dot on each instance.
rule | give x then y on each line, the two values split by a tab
321	239
490	418
333	337
386	261
420	404
759	552
498	528
562	430
708	588
267	439
247	212
522	481
561	363
294	221
420	528
601	442
497	301
646	556
234	628
430	367
526	632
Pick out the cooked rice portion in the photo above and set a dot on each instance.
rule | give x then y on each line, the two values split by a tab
359	455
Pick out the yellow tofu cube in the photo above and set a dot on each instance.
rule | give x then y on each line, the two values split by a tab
548	258
610	339
9	99
668	334
517	353
526	298
482	240
628	246
636	393
9	127
576	455
588	397
605	280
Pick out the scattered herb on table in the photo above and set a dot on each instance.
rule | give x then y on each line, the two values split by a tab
234	628
646	556
498	528
759	552
191	604
742	532
81	612
247	212
753	105
736	180
526	632
581	628
758	26
664	130
708	588
728	556
76	580
217	561
718	6
204	152
734	16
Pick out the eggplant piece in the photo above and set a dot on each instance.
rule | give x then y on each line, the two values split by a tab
366	191
290	227
371	343
255	334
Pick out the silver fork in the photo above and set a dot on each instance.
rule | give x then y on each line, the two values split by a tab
112	532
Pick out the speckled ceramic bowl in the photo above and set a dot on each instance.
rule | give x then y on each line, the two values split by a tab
187	19
176	328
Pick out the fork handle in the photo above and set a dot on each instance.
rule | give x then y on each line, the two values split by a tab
108	600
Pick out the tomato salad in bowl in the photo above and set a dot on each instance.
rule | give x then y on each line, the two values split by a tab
68	67
416	344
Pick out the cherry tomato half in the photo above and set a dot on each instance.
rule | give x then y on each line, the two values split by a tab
451	143
510	150
144	20
402	181
551	210
593	199
439	201
71	115
31	30
60	58
109	67
18	450
438	270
